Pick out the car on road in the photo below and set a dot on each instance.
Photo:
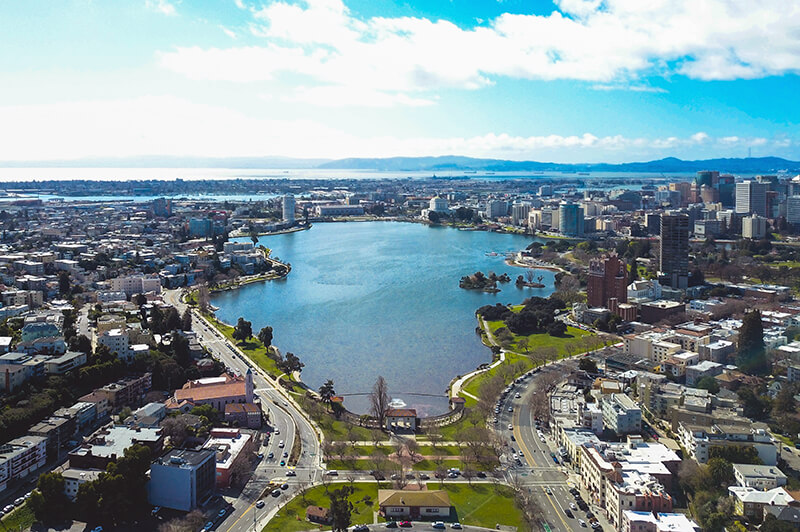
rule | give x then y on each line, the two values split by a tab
510	408
548	491
277	431
424	476
518	396
276	493
390	524
283	462
361	528
208	526
582	523
572	506
284	486
521	454
260	456
406	524
271	456
569	513
19	501
456	526
332	473
452	475
221	513
513	438
286	455
395	477
439	525
510	426
8	508
291	473
596	525
281	444
260	504
481	474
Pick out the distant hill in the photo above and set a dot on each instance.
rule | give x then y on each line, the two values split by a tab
418	164
453	162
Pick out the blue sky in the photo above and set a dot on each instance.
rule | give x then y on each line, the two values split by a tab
571	80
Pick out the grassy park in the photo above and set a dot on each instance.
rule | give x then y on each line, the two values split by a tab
482	505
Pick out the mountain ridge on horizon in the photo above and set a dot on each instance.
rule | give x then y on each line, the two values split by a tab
418	164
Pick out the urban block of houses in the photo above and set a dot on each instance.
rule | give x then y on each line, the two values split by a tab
109	443
21	457
633	521
762	477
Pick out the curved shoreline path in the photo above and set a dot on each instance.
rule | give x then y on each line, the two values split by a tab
383	298
455	388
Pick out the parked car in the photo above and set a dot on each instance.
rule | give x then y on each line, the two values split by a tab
390	524
405	524
456	526
439	525
361	528
276	493
260	504
569	513
221	513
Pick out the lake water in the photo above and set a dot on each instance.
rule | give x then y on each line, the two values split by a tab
381	298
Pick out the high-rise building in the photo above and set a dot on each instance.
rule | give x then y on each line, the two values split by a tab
519	213
751	198
793	210
674	250
570	219
288	208
496	208
754	227
707	177
608	279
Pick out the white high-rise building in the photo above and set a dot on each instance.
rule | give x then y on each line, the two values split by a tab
751	198
754	227
288	208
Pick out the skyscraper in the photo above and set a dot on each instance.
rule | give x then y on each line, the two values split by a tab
608	279
674	250
751	198
570	219
288	208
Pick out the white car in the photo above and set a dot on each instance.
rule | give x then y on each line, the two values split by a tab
281	444
510	426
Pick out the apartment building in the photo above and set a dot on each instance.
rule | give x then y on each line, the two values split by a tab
621	414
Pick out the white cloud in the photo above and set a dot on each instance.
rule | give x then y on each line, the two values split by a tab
164	125
165	7
628	87
341	96
611	43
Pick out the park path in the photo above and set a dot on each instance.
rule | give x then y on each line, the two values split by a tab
455	388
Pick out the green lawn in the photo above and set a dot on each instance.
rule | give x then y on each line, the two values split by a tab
482	505
336	430
292	516
535	341
254	349
20	519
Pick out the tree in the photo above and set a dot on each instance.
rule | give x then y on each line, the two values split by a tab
326	391
186	320
379	400
243	330
708	383
290	364
751	356
557	328
175	428
720	473
139	300
341	508
63	283
265	336
587	364
203	298
523	344
49	502
772	524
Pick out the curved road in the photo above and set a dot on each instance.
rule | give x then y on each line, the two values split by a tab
284	417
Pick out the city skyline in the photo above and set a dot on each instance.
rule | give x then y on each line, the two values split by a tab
570	81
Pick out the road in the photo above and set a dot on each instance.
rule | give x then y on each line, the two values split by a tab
539	473
286	420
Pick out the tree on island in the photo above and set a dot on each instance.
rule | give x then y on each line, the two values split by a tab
751	356
326	391
243	330
379	400
265	336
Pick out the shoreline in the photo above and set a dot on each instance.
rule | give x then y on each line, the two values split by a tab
542	266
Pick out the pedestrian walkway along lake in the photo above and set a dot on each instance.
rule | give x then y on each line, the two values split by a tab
381	298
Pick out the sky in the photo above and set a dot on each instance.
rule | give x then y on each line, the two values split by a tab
563	80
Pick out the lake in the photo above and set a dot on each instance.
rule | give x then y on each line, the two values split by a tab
380	298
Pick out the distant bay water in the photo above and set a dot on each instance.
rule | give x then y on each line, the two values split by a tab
381	298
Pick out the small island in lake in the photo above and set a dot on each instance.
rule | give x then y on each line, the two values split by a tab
528	280
480	281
